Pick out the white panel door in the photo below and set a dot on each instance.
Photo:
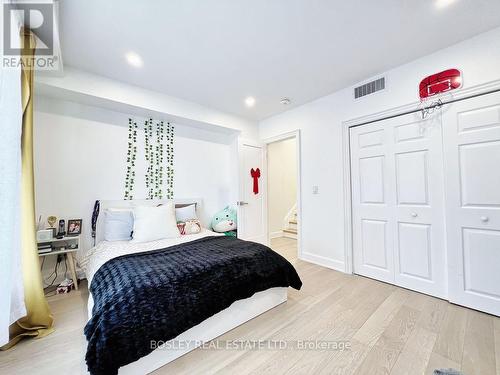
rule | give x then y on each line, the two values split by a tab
252	218
372	195
398	203
420	246
472	170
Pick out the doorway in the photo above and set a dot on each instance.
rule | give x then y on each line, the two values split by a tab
283	207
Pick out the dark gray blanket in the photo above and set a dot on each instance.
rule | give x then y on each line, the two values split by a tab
157	295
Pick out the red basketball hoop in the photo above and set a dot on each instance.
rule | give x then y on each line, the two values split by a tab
435	84
434	88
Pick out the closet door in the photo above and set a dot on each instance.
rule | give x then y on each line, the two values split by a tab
372	201
472	169
419	214
398	203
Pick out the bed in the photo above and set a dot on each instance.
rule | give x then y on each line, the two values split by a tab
150	303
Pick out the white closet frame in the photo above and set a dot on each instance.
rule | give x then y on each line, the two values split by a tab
346	162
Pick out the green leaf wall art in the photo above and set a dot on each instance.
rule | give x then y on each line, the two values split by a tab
131	160
159	158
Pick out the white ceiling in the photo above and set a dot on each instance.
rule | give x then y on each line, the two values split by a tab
217	52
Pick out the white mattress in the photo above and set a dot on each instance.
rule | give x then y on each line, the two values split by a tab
91	260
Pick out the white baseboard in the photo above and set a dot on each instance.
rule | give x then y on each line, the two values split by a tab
276	234
334	264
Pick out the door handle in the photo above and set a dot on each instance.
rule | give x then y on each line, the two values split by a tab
414	214
241	203
485	219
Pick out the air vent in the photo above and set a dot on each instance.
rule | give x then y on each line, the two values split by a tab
369	88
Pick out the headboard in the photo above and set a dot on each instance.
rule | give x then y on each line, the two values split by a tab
138	202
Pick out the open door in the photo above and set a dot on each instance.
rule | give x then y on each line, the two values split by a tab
252	215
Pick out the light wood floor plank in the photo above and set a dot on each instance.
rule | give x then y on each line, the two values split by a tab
287	247
246	363
385	352
343	362
437	361
62	350
433	314
389	329
450	341
334	323
370	332
415	355
479	345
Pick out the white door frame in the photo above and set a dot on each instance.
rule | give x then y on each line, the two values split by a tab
346	154
281	137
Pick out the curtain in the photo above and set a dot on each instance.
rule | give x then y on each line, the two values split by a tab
38	320
11	283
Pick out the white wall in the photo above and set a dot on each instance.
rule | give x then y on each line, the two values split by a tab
80	156
282	182
321	135
82	87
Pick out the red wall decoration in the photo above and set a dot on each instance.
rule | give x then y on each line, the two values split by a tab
438	83
255	173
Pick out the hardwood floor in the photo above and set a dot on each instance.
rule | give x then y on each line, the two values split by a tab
287	247
390	331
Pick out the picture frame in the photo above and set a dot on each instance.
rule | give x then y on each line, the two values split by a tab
74	227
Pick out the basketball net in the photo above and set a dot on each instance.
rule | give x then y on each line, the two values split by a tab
431	104
430	108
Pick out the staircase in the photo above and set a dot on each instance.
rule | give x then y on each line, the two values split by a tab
290	224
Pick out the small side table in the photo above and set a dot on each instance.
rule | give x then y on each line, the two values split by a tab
66	242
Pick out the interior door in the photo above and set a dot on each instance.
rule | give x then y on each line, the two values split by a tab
398	203
252	217
419	214
472	170
372	201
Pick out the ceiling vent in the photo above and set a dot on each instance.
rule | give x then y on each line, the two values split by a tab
369	88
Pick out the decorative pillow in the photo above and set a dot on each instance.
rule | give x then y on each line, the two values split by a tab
225	220
118	225
189	227
184	214
154	223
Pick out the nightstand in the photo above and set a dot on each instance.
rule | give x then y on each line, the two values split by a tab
65	242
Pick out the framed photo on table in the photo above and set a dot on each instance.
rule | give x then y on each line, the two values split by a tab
74	227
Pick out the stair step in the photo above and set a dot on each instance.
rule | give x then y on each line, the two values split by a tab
291	231
293	222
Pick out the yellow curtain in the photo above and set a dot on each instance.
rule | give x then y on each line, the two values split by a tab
38	321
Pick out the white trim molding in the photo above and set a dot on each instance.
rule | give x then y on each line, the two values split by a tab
281	137
458	95
334	264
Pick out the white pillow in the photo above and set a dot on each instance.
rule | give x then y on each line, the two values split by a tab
118	225
154	223
184	214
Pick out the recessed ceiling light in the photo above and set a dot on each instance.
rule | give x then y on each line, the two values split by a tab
250	101
440	4
285	101
134	59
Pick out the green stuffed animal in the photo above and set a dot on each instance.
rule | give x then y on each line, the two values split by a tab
225	221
